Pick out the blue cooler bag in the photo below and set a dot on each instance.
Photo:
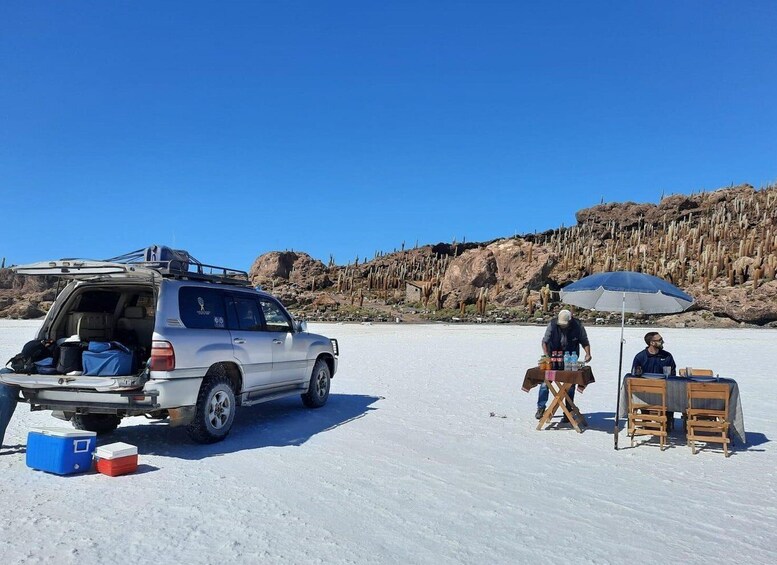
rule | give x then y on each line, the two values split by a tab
60	450
106	359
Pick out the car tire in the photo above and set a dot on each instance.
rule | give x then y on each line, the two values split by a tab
318	389
100	423
215	411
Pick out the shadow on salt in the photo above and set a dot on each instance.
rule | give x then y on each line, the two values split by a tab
279	423
605	422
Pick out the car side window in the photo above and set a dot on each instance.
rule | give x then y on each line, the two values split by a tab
202	308
248	317
275	318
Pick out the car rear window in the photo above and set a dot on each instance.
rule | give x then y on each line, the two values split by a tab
202	308
103	301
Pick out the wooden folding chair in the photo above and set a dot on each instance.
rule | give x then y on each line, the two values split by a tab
709	425
697	373
647	418
694	373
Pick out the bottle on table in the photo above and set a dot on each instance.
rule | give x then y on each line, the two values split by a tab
573	362
567	366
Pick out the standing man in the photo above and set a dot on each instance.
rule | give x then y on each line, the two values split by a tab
562	334
8	399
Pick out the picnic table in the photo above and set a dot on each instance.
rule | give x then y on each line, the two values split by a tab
559	384
677	399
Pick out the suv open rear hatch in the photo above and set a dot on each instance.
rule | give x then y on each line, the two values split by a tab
85	269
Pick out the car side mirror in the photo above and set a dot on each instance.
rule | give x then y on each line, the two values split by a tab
301	326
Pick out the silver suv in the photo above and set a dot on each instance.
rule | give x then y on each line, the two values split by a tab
203	340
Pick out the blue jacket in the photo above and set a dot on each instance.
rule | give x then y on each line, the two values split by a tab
568	339
654	363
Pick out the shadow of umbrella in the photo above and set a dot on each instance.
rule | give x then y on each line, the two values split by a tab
625	291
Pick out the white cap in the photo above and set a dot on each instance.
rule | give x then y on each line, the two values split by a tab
563	318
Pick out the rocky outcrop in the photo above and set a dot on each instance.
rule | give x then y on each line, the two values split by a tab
25	297
627	215
505	268
26	309
467	274
281	267
741	304
719	246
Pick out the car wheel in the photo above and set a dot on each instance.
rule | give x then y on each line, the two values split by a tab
215	411
100	423
318	389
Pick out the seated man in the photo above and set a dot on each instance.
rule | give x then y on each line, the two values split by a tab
653	359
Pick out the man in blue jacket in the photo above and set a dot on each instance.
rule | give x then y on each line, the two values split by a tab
562	334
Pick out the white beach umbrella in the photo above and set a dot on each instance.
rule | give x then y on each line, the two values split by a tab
625	291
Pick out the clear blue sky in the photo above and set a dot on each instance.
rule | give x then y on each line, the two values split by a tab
235	128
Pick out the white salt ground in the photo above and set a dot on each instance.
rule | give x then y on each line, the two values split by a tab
407	465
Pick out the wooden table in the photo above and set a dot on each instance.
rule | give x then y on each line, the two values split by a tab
559	384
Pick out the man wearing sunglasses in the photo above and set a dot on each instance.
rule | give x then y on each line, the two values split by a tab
654	359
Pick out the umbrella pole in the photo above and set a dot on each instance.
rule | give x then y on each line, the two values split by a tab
620	367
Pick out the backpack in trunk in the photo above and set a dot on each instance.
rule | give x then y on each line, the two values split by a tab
33	351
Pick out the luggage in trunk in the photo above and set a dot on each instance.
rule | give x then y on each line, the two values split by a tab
106	359
69	357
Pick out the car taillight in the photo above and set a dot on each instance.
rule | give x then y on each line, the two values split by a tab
162	356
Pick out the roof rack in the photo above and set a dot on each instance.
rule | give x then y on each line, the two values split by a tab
181	265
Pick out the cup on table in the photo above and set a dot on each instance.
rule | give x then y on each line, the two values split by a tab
667	371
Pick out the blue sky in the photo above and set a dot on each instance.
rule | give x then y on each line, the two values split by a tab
235	128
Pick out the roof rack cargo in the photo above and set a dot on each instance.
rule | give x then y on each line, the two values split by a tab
179	264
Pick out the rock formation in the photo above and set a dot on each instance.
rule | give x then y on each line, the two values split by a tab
719	246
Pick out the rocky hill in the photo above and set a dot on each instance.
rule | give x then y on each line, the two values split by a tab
719	246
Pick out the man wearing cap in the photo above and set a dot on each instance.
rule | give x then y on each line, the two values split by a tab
566	334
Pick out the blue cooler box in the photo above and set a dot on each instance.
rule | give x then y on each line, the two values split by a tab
60	450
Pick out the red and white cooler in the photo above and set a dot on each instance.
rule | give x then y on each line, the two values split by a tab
116	459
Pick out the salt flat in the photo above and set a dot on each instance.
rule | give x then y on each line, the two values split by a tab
406	464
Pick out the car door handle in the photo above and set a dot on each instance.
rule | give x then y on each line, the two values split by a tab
239	340
278	341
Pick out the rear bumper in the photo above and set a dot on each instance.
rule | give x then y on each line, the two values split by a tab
157	394
129	403
80	382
